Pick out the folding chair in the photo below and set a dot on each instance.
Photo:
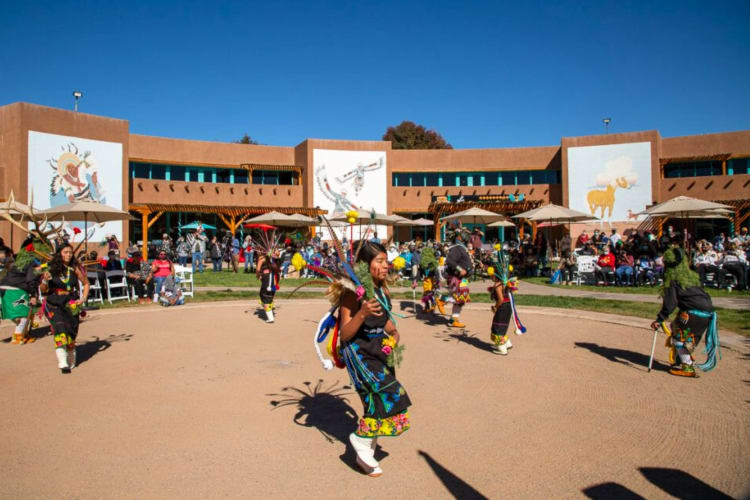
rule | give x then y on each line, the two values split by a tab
116	280
184	277
96	293
585	267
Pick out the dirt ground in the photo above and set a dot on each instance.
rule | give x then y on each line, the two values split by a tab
207	401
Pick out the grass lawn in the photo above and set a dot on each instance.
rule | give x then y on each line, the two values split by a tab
646	290
228	278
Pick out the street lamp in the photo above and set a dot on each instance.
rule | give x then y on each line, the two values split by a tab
607	121
77	94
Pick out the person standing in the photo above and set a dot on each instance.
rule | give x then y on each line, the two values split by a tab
62	306
183	251
248	249
235	255
214	250
199	247
458	267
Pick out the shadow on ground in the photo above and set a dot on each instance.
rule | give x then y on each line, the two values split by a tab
454	484
91	348
623	356
463	337
326	409
674	482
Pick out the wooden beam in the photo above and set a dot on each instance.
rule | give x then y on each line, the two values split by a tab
144	228
155	218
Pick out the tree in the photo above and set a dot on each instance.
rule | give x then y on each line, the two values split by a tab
409	135
246	139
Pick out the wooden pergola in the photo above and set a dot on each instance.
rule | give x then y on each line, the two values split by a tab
494	203
741	214
232	217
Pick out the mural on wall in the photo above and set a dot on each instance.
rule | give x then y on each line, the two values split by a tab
621	175
65	169
350	180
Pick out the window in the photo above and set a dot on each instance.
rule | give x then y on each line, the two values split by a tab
692	169
275	177
737	166
139	170
468	179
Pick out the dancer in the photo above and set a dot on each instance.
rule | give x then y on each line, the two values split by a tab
368	338
430	282
458	266
19	288
369	345
62	305
682	291
500	292
267	270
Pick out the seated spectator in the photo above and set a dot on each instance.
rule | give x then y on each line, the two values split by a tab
734	263
659	265
583	238
588	249
161	269
646	273
531	262
171	295
605	265
624	262
138	274
113	262
567	267
705	261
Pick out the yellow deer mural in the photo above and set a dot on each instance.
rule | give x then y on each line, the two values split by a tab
605	198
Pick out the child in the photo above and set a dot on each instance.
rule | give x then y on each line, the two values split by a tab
268	274
502	309
171	295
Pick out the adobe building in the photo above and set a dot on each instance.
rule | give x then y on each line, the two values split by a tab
58	156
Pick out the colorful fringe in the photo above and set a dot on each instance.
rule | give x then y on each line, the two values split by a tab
712	348
520	329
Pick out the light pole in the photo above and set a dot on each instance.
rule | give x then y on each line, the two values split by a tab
607	121
77	94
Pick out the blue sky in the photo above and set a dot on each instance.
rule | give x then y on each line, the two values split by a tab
483	74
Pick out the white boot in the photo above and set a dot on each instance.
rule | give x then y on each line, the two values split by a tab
72	358
501	349
508	343
269	315
365	455
62	359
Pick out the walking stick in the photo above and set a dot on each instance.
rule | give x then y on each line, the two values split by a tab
653	348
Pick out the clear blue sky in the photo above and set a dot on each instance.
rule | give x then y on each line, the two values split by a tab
488	74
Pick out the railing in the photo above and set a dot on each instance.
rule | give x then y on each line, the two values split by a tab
145	191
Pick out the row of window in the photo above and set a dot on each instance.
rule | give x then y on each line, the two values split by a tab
449	179
160	171
735	166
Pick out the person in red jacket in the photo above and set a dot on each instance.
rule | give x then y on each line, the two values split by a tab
605	265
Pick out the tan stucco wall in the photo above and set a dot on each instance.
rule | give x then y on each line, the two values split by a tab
17	119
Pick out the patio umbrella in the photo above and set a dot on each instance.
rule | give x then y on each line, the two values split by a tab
274	218
264	227
366	217
502	223
300	220
474	216
684	207
555	213
416	222
85	211
194	225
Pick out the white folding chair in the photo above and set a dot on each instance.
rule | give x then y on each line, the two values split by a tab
116	280
185	277
585	266
96	293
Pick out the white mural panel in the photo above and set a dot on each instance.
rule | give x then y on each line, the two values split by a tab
64	169
612	182
351	180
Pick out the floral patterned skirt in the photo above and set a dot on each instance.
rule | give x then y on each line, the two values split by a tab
395	425
459	288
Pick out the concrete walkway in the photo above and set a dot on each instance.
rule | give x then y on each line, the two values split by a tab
526	288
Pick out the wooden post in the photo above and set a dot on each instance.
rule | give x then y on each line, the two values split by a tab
144	228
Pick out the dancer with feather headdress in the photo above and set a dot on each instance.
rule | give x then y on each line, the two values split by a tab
365	341
431	280
59	274
458	267
268	270
504	308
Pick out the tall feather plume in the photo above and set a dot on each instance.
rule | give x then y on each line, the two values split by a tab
336	243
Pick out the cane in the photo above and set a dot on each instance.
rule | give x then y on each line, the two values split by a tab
653	348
